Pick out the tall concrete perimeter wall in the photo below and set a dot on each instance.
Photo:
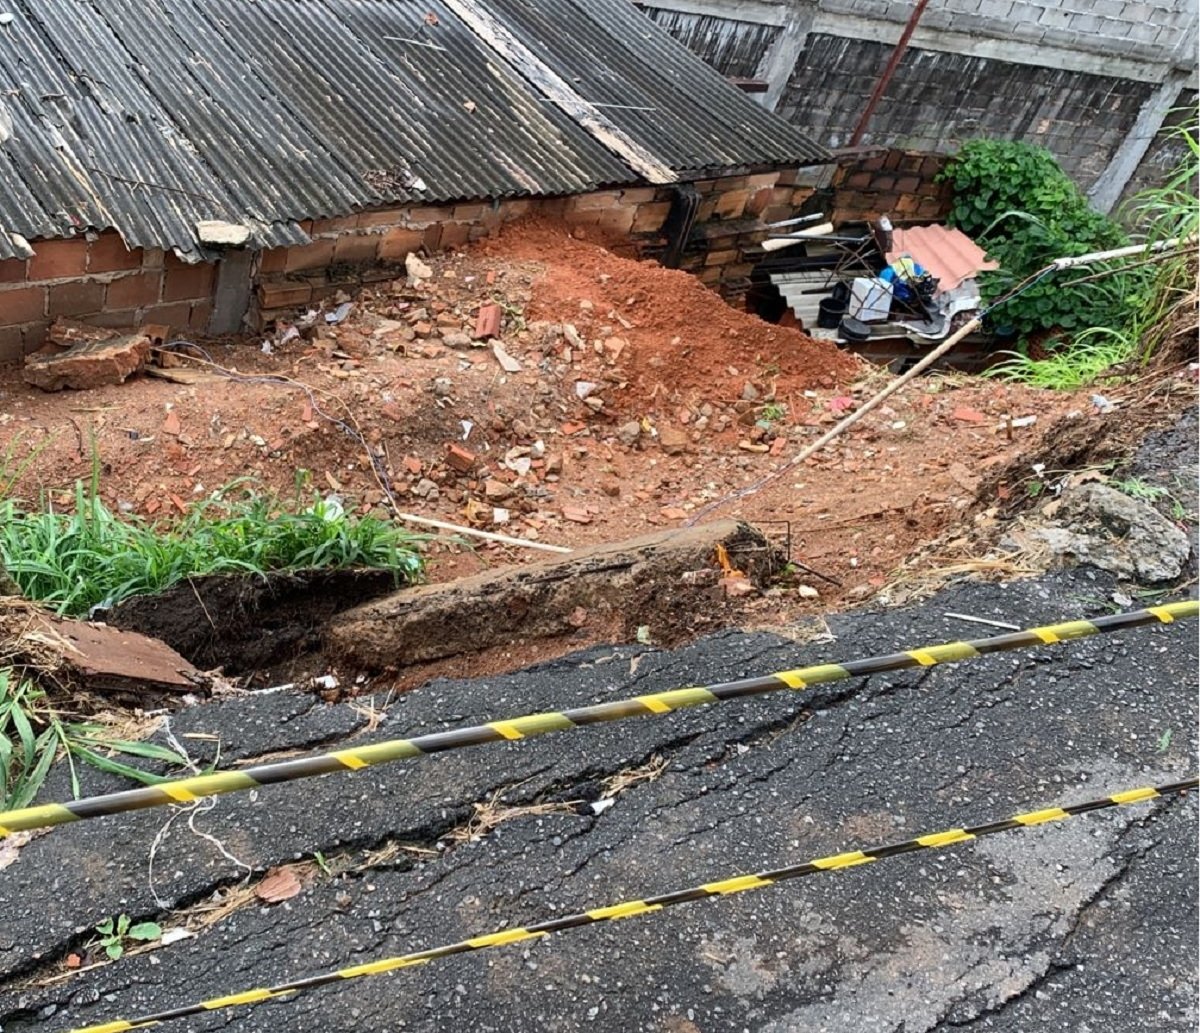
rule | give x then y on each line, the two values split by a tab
1091	80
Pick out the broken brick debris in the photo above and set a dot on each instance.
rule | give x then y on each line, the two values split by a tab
88	363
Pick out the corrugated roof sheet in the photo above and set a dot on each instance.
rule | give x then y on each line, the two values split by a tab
949	254
148	116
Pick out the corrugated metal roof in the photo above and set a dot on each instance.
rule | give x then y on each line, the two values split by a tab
150	115
949	254
653	87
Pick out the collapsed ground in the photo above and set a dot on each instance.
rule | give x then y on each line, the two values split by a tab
640	400
1091	920
1094	918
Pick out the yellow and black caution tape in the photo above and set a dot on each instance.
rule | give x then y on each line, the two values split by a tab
725	887
188	790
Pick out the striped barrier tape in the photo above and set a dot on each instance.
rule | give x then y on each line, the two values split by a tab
725	887
188	790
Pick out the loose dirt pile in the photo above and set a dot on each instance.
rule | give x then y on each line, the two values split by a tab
685	345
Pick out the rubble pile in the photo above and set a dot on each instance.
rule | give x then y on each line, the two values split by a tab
541	352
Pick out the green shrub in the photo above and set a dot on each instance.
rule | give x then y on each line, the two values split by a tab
1015	201
76	561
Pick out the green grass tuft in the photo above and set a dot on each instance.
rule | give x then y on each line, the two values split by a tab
74	562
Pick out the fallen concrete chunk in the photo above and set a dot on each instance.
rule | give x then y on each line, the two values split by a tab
89	363
635	582
1109	529
66	333
216	233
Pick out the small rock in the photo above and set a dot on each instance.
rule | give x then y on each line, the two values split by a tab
496	491
749	392
628	433
672	440
807	592
610	488
576	514
443	387
457	339
737	587
425	489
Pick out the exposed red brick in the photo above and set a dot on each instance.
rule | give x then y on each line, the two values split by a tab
341	224
75	298
515	209
187	281
455	234
153	258
273	260
908	184
284	293
422	217
858	180
108	254
432	237
761	180
12	344
731	204
59	259
398	242
649	218
133	291
721	257
597	199
639	195
382	217
316	255
174	314
487	320
468	212
910	162
461	459
356	248
22	305
759	200
12	270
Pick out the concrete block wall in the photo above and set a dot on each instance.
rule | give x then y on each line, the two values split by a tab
100	281
1091	80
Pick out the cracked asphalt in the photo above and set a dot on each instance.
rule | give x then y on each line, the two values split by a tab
1084	925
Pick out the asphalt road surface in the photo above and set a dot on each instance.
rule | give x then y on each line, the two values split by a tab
1084	925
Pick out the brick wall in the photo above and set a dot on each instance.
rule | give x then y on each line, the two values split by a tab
349	252
731	224
888	181
100	281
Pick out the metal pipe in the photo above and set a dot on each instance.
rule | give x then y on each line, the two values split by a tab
888	71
